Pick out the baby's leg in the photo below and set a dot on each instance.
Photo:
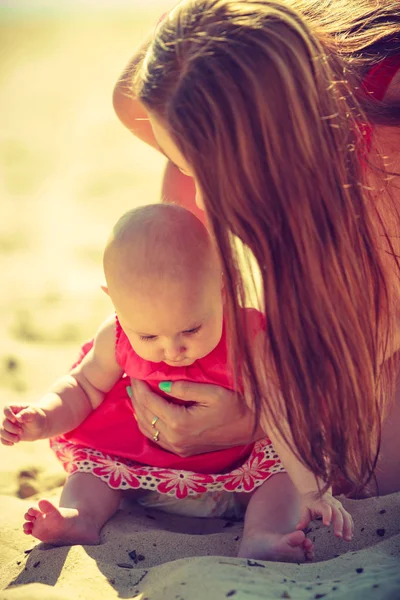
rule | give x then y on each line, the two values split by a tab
86	503
270	524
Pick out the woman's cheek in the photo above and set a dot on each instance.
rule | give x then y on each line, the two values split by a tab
199	198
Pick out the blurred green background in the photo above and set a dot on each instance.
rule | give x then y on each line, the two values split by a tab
68	170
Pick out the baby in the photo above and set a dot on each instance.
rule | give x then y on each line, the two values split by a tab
164	279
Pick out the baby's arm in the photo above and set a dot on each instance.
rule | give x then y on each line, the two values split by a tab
313	503
71	399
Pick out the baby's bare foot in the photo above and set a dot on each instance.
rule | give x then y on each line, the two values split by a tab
60	526
291	547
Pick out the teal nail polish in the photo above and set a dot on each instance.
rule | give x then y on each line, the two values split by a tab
129	391
165	386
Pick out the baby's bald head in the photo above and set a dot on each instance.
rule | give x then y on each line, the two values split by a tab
164	279
155	245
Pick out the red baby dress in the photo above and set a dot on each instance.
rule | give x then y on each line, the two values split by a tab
109	444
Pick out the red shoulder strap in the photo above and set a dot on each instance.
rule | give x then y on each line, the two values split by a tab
380	76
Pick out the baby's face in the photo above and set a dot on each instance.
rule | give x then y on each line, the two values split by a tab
176	324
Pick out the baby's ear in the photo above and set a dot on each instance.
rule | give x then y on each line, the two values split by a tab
105	289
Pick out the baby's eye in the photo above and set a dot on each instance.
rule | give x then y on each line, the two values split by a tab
192	331
148	338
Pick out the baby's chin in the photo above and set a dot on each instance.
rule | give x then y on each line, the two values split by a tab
181	363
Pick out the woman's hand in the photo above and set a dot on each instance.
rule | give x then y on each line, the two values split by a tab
218	418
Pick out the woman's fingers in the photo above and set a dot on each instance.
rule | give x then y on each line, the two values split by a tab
194	427
147	404
201	393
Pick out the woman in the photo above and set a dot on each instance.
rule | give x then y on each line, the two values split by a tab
268	106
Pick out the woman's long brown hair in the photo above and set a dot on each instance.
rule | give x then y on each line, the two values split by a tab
264	100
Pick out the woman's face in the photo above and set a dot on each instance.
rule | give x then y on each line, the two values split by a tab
170	150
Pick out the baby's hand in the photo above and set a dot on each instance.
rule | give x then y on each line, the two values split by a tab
315	505
22	424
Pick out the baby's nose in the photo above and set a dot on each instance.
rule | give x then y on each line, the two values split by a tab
174	352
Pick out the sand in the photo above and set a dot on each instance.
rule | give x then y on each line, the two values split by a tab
186	558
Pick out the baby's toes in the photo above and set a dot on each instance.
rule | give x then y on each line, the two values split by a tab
31	514
309	554
308	548
28	528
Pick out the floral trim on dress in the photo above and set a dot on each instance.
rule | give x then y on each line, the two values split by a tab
123	474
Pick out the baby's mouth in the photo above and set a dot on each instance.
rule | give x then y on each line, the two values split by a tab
176	363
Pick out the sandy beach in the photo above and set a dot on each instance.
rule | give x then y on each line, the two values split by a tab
68	170
148	554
